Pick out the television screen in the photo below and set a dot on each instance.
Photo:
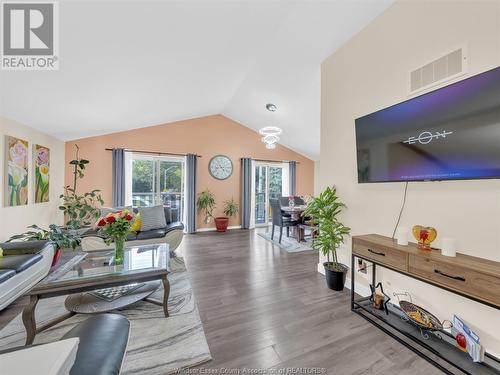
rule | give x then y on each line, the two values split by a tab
447	134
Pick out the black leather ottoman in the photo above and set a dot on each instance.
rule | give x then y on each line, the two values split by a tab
103	342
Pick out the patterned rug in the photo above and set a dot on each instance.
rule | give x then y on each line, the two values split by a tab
289	244
157	345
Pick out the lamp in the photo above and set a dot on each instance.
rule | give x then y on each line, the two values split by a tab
270	136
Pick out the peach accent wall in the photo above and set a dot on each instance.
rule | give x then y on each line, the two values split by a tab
205	136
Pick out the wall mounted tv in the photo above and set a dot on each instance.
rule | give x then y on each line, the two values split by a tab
452	133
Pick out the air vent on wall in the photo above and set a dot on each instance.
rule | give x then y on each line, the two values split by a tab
438	71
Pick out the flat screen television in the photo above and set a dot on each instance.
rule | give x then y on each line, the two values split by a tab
451	133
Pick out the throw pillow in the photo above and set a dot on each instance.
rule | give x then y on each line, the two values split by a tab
152	218
111	210
137	226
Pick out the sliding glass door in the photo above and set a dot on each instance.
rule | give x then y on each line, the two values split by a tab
268	184
158	180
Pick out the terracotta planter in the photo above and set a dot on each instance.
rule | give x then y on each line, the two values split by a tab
221	223
55	258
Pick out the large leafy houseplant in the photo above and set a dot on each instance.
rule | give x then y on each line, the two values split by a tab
206	204
80	210
230	208
55	235
331	233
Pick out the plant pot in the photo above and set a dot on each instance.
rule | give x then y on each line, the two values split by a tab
335	279
56	257
221	223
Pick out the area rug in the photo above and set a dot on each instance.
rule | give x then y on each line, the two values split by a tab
157	345
289	244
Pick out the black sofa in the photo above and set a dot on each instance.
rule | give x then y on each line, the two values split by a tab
22	265
172	234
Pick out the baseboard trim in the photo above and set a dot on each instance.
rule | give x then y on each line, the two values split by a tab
213	229
361	289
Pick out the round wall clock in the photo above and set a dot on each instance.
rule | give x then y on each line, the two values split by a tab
220	167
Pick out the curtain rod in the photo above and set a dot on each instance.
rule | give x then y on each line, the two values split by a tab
153	152
273	161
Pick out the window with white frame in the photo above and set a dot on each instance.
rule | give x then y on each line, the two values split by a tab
154	180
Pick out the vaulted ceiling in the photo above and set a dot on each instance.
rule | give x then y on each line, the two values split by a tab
130	64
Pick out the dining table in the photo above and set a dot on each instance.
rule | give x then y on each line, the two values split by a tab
296	214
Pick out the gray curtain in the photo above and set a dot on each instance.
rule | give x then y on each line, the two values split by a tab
246	192
191	161
118	186
292	177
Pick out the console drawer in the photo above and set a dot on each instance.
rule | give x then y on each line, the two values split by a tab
462	279
390	257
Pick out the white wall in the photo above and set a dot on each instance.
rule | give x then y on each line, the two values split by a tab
14	220
371	72
316	178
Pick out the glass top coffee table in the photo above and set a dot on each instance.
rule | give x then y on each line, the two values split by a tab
96	284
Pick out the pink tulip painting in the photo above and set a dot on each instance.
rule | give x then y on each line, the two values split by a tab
41	163
17	172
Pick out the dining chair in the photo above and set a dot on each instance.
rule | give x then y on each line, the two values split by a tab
279	219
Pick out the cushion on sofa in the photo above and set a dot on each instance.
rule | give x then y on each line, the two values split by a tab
152	218
23	247
6	275
103	342
19	263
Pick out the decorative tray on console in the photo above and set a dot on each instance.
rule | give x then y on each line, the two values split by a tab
419	316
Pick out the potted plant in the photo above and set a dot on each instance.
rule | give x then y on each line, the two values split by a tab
230	210
115	227
81	211
54	234
324	210
206	205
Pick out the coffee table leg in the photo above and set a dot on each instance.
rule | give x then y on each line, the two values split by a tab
166	293
29	319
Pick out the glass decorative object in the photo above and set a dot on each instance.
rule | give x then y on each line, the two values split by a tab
424	236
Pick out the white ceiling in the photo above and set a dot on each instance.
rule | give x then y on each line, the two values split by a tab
130	64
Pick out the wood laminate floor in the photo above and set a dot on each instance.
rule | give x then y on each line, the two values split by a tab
262	307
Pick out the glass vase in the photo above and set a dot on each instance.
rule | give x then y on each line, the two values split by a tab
119	250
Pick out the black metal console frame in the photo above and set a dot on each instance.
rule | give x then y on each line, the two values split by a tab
358	308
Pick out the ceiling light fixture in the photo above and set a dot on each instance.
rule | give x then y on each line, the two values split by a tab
270	136
271	107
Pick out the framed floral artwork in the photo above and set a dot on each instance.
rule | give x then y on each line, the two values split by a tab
41	165
16	178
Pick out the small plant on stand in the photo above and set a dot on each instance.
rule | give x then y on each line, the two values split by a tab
206	205
230	210
115	227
